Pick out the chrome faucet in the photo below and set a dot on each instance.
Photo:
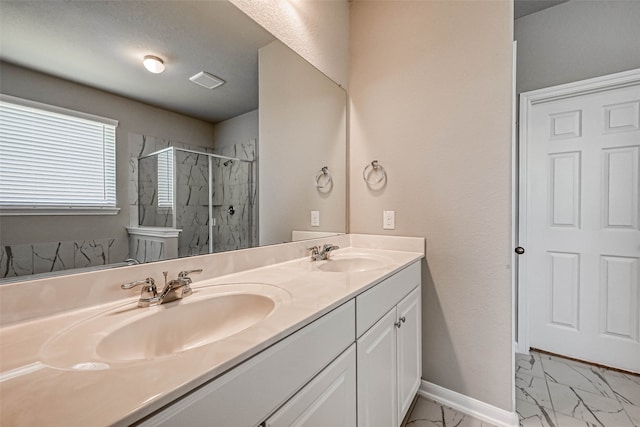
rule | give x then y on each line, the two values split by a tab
173	290
177	288
322	253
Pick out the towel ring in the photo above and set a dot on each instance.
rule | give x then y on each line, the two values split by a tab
370	168
324	172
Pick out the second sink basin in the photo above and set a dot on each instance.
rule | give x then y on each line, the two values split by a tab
346	261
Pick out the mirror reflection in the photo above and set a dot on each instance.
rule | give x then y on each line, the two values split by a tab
197	170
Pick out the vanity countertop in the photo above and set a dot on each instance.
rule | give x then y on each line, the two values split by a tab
37	389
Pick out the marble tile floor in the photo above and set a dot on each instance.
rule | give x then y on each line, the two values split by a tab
552	391
427	413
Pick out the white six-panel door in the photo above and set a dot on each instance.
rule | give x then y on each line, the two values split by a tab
580	221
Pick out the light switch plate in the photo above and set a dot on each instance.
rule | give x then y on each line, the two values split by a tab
315	218
389	220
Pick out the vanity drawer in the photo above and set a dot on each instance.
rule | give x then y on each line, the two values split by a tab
246	395
374	303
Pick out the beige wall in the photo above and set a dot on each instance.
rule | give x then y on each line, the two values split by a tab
430	88
577	40
302	123
316	30
133	117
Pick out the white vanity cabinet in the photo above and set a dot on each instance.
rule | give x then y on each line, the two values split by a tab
389	350
246	395
358	365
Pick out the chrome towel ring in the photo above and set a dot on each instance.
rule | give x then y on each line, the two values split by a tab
372	169
323	178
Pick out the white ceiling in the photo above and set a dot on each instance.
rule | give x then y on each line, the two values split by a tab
527	7
102	43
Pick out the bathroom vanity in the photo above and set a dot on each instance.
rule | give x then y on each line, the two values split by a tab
268	337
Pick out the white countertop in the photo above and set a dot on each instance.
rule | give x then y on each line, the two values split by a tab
40	388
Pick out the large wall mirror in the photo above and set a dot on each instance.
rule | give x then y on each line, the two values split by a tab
260	159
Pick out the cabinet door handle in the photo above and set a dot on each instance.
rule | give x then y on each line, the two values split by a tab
398	324
403	319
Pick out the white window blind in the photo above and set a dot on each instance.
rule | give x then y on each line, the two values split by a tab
165	179
55	158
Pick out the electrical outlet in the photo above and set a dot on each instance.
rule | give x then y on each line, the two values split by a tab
389	220
315	218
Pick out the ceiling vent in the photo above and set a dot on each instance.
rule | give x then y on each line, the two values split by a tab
207	80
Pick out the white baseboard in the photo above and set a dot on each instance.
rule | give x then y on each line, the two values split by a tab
468	405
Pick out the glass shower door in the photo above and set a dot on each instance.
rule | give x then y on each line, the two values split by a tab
192	193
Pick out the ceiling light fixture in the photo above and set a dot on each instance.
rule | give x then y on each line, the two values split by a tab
153	64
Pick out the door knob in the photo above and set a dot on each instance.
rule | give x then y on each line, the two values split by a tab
519	250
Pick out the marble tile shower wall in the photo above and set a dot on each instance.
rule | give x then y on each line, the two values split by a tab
235	186
20	260
231	188
192	207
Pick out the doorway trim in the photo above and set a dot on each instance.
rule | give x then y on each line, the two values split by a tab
527	101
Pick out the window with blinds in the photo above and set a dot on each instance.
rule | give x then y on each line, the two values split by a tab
165	179
55	159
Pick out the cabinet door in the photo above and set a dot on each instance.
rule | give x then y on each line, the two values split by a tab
328	400
377	396
409	339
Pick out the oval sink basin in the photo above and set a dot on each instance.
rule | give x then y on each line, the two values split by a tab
351	265
126	333
182	327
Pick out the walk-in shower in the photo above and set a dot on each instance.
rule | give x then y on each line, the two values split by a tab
208	197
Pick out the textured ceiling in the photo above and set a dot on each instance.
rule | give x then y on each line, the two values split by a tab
102	43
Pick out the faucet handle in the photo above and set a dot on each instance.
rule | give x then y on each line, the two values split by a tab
147	281
184	276
326	250
185	273
148	294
